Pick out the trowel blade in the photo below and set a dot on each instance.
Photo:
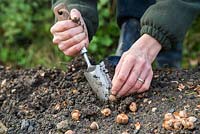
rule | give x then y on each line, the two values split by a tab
99	81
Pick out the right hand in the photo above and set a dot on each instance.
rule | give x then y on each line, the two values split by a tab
69	36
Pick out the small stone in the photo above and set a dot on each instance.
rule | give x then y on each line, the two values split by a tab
176	82
156	76
171	110
74	91
13	90
186	107
198	106
149	102
190	84
154	109
42	74
64	103
180	97
3	128
163	99
1	67
2	97
30	129
94	126
24	124
181	87
145	100
3	83
63	125
125	132
73	69
69	132
57	107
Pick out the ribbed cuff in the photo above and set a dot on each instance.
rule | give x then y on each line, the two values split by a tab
90	28
159	35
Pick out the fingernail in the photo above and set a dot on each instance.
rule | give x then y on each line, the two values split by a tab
60	46
113	92
56	41
82	45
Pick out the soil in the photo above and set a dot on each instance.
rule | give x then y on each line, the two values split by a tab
36	100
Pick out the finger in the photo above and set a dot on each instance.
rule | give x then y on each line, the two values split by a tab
62	36
74	50
117	69
129	84
123	74
72	41
144	73
61	26
134	88
74	13
147	83
132	80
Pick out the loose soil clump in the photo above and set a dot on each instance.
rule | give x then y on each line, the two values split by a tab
41	101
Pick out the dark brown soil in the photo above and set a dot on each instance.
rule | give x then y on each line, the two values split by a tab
35	100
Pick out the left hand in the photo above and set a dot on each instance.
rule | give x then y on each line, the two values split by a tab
133	73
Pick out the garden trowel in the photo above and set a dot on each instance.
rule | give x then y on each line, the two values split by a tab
96	75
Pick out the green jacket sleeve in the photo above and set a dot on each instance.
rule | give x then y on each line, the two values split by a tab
168	20
88	9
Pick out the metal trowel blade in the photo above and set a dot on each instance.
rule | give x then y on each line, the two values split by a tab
99	81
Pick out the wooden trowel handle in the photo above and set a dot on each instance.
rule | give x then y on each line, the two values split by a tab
62	13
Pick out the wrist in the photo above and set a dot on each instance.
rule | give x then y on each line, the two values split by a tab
150	46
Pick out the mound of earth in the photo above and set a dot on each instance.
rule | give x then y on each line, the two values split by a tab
36	100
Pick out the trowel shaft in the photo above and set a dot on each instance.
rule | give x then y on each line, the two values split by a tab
84	53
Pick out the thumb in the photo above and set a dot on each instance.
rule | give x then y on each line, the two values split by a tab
75	14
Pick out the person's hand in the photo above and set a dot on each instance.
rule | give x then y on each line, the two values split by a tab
133	73
70	36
